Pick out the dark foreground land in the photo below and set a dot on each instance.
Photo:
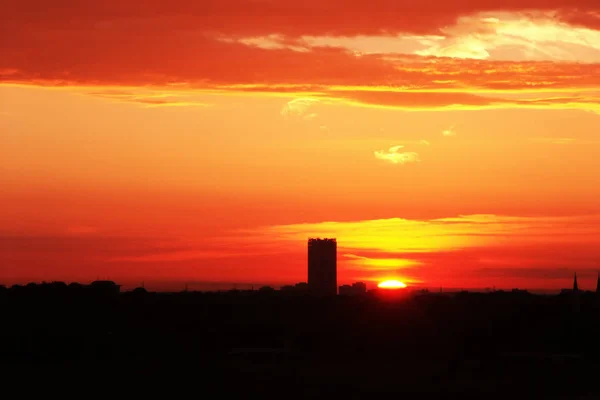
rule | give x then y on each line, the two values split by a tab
289	345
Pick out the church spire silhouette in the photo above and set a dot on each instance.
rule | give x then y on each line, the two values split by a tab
575	287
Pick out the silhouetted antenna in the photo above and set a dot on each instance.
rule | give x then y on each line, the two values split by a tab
143	287
186	287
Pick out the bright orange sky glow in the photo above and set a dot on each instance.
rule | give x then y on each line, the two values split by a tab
451	145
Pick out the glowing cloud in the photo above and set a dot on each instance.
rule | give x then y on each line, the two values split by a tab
395	156
515	36
397	235
456	57
494	36
299	108
383	264
269	42
456	248
449	132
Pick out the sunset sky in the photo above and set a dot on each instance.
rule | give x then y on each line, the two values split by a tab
443	143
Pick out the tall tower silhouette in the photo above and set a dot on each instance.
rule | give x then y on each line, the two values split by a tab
575	287
322	266
598	284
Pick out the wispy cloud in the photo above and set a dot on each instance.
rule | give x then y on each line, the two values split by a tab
380	264
444	233
149	99
299	108
267	42
395	155
80	230
453	249
182	255
545	273
554	140
449	132
500	35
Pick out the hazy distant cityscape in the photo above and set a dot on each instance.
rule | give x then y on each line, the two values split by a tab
321	256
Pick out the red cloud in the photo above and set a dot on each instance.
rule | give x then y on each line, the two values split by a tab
294	18
143	43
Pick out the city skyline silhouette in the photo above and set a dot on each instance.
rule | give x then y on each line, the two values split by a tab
321	280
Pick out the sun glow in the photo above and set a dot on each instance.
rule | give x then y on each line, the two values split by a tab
391	284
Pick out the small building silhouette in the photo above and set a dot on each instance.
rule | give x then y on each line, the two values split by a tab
360	287
345	290
300	287
105	287
357	288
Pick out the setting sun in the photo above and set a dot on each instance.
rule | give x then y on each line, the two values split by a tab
391	284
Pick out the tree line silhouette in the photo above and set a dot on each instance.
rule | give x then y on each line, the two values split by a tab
479	344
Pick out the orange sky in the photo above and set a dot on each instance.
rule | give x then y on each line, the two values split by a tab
442	144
